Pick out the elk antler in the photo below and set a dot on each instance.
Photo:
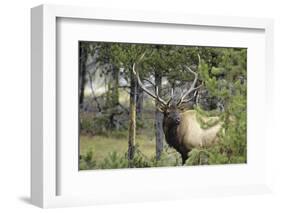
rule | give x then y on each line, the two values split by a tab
156	95
192	87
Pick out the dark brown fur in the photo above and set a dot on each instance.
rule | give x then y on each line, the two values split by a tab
171	121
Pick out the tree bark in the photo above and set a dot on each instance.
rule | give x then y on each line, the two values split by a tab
115	91
82	73
132	120
158	120
115	97
139	102
112	97
93	93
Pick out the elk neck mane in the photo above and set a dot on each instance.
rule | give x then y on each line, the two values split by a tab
172	137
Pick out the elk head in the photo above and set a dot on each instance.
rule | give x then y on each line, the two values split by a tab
172	108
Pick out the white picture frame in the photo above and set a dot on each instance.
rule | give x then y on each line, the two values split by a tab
45	170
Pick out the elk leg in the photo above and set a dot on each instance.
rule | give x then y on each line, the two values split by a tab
184	157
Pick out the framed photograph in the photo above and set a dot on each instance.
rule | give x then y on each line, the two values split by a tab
129	106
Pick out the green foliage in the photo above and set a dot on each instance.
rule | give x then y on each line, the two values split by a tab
115	160
168	158
201	115
231	89
86	123
86	161
139	160
90	123
198	157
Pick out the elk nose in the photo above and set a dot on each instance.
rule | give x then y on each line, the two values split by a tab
177	120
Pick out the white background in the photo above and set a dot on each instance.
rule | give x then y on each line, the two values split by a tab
15	105
71	182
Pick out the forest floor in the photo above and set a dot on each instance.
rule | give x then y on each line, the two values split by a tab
101	146
101	143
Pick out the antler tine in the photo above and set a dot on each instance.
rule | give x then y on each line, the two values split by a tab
149	81
172	96
155	96
192	87
155	87
157	91
194	95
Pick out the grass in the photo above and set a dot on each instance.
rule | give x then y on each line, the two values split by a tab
101	145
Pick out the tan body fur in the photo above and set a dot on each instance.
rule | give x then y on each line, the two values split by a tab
192	135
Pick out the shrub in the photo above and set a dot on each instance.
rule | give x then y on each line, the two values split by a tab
87	162
114	161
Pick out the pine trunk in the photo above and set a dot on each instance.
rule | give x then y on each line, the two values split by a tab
139	103
82	72
132	120
115	95
158	120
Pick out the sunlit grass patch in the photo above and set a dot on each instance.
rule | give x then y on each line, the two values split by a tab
101	146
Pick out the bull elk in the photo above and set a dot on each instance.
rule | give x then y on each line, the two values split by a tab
181	127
